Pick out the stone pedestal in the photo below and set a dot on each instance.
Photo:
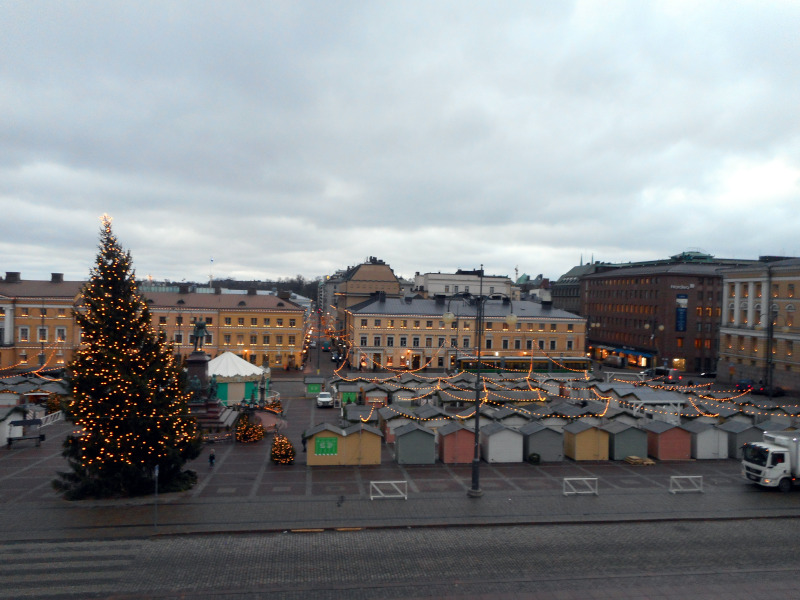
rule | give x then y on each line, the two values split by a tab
197	366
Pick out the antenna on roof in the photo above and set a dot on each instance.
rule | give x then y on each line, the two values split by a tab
211	273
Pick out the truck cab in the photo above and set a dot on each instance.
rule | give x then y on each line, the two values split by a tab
772	462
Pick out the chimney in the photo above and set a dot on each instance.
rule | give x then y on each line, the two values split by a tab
56	278
251	291
217	290
183	288
285	295
381	296
12	277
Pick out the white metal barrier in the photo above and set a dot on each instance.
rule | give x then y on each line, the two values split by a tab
52	418
580	486
685	483
388	489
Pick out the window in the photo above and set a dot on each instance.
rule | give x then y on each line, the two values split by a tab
553	327
253	339
391	322
679	342
377	322
209	321
162	320
403	323
376	341
42	334
416	324
466	289
429	324
390	341
488	325
227	320
491	289
429	342
61	334
292	340
529	344
178	320
488	344
541	344
24	334
62	312
541	326
455	289
465	342
266	321
363	340
265	340
505	343
279	322
279	340
570	327
363	322
453	342
415	342
403	341
240	340
227	339
791	290
25	312
552	344
517	344
240	321
292	322
253	320
447	289
178	338
570	345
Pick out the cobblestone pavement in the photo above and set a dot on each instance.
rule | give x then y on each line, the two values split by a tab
723	559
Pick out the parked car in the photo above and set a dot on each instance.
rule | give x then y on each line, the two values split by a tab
312	344
745	385
324	400
709	374
335	357
764	390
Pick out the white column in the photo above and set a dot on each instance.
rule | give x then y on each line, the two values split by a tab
737	301
751	304
8	325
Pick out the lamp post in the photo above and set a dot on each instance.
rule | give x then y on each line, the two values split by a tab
656	329
448	317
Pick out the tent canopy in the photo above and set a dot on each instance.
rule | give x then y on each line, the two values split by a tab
228	367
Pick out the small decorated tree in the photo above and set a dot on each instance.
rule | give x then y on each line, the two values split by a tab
282	450
249	429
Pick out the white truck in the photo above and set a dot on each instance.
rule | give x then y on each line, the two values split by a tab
773	462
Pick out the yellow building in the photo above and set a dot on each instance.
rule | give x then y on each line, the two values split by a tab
760	330
414	333
36	324
37	327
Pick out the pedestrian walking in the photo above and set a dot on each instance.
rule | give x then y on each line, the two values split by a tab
211	458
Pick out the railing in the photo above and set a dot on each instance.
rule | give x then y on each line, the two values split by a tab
388	489
685	483
52	418
575	486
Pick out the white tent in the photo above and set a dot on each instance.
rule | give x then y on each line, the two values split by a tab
229	367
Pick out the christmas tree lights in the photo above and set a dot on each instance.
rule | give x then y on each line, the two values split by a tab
282	450
128	394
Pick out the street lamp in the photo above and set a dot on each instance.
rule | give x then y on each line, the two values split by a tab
656	328
448	317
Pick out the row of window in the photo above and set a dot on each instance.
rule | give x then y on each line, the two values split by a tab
42	334
465	325
240	321
505	343
745	290
752	344
42	312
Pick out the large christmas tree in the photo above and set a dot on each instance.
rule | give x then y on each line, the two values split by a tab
128	394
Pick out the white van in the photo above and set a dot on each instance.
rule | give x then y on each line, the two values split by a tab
614	361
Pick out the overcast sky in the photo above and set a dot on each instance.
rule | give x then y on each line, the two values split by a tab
285	138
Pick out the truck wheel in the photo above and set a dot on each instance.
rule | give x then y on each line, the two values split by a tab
785	485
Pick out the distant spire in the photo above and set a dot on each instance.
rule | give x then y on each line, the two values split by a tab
581	258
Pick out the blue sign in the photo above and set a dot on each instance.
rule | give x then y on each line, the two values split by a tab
680	312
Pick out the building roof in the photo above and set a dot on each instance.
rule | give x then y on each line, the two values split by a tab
409	427
431	307
229	366
41	289
243	302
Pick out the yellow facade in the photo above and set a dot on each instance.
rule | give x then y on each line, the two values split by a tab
38	327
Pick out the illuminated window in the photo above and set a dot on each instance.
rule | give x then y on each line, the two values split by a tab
61	334
265	340
227	320
24	334
253	320
292	340
240	321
